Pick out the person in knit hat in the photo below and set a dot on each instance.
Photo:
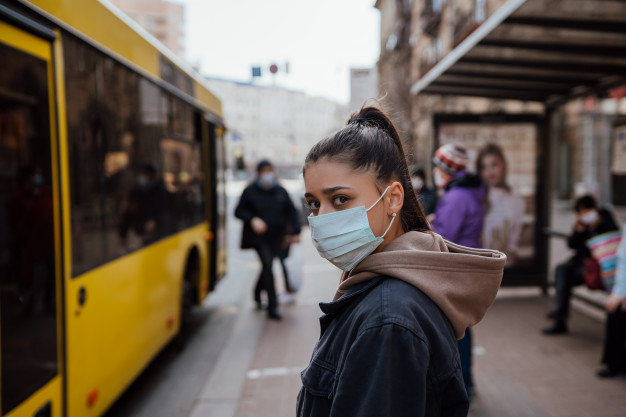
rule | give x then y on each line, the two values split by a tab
459	218
451	158
460	211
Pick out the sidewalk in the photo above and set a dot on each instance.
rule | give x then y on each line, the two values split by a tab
518	371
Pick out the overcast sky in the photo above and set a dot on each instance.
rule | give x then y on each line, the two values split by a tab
321	40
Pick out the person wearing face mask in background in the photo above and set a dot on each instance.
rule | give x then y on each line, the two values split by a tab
388	339
267	212
589	222
459	218
427	196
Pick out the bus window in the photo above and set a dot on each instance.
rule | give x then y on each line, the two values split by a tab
135	171
28	327
184	181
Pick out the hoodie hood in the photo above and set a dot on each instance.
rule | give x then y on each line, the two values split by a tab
462	281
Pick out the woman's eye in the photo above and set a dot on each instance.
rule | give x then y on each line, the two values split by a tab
340	200
313	205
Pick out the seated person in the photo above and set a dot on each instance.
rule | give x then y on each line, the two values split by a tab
590	221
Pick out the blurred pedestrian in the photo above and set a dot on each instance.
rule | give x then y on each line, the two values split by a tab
459	218
267	210
387	344
505	209
590	221
614	352
427	195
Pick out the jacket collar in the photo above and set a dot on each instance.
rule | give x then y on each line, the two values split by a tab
353	292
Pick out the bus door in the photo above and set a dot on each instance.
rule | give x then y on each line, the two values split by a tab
216	169
30	303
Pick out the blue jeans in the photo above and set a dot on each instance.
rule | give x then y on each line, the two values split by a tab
567	276
465	352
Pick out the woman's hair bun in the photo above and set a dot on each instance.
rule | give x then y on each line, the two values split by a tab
372	117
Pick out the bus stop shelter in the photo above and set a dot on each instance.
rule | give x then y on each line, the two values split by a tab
535	51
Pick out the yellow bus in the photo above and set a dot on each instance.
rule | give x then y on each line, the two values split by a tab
111	203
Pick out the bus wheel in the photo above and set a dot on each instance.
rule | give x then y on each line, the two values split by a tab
187	299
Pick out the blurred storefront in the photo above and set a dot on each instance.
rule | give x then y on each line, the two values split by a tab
480	70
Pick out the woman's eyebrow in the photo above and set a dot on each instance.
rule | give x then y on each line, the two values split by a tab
330	190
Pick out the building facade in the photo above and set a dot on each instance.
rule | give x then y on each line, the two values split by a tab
162	19
274	123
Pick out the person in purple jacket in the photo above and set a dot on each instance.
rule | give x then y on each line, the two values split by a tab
460	212
459	218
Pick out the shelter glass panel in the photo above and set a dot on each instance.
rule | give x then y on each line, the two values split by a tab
504	155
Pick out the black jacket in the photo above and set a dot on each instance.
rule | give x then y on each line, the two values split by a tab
578	240
386	350
274	207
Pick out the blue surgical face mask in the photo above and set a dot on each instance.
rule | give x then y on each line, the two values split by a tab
345	237
267	180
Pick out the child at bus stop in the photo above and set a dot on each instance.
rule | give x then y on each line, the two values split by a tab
388	338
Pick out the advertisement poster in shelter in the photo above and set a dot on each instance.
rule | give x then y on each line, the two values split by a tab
504	155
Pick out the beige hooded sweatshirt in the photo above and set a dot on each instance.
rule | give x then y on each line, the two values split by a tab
462	281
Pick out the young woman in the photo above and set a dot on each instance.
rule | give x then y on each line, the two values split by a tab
505	209
388	340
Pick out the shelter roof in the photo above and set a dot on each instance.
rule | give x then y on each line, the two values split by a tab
535	50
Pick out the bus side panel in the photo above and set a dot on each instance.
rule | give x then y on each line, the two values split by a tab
130	310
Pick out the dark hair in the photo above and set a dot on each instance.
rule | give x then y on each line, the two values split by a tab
418	171
585	202
495	150
262	164
371	141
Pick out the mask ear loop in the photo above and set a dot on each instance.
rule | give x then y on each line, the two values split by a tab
393	217
379	198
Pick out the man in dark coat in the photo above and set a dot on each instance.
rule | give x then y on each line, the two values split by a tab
590	221
267	212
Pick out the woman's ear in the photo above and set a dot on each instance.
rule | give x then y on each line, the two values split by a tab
396	198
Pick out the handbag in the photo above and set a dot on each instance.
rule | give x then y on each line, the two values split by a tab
593	278
603	250
293	263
